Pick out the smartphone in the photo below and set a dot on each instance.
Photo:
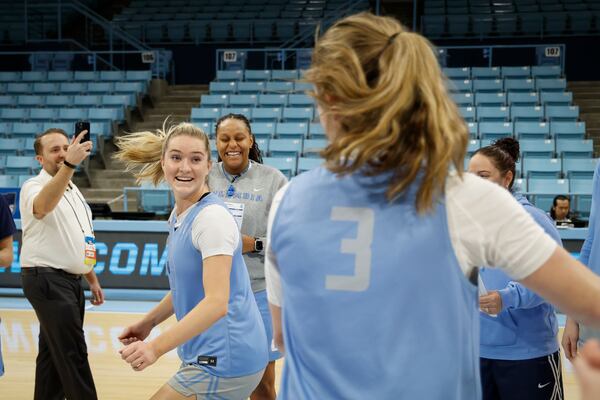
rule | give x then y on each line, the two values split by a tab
83	126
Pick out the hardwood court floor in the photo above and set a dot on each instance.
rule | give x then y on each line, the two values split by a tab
115	380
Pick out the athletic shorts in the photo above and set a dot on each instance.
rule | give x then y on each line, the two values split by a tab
193	380
263	307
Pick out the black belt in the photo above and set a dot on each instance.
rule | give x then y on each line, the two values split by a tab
48	270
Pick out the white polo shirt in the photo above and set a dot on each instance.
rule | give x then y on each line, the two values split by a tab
56	240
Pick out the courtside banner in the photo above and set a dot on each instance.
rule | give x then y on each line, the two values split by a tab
130	255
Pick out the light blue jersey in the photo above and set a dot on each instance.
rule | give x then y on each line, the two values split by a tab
375	305
235	345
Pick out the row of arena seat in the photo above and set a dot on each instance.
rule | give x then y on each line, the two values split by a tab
527	130
39	88
554	168
536	71
62	114
75	76
549	148
24	130
68	101
507	84
517	113
506	6
271	130
512	98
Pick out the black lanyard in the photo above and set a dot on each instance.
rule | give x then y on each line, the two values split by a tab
75	213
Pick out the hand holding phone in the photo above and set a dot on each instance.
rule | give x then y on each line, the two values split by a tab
81	126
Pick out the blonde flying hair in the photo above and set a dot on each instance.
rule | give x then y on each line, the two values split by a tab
385	87
142	152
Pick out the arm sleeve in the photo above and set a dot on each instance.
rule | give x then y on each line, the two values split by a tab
28	193
488	227
272	276
584	257
214	232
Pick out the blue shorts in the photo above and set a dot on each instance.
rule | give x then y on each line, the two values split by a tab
263	307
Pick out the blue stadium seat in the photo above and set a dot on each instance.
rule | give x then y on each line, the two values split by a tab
468	113
257	75
31	101
562	113
129	87
266	114
312	147
301	87
568	129
233	75
105	114
575	148
579	167
24	178
87	100
214	100
491	113
60	76
316	131
222	87
43	114
14	114
293	114
473	128
520	185
526	113
458	73
532	130
460	85
20	165
100	87
72	114
65	126
495	130
462	99
45	87
544	190
516	72
86	76
8	101
243	100
207	127
112	76
551	84
279	87
300	100
73	88
519	85
485	73
285	147
138	76
472	146
523	99
59	101
219	30
18	88
291	130
556	98
272	100
9	181
245	111
117	100
263	30
537	148
546	71
534	167
263	129
11	146
308	163
205	114
490	98
488	85
287	165
25	129
284	75
10	76
157	200
254	87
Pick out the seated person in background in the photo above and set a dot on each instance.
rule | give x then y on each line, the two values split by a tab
561	213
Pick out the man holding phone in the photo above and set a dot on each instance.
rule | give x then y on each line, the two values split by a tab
58	249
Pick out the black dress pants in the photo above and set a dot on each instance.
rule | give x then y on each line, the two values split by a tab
62	367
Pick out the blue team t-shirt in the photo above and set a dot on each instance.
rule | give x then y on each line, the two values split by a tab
7	224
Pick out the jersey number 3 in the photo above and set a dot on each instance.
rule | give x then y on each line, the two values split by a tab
359	246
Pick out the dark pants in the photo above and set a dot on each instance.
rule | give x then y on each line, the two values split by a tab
62	367
534	379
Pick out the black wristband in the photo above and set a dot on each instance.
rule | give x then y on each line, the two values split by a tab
68	164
